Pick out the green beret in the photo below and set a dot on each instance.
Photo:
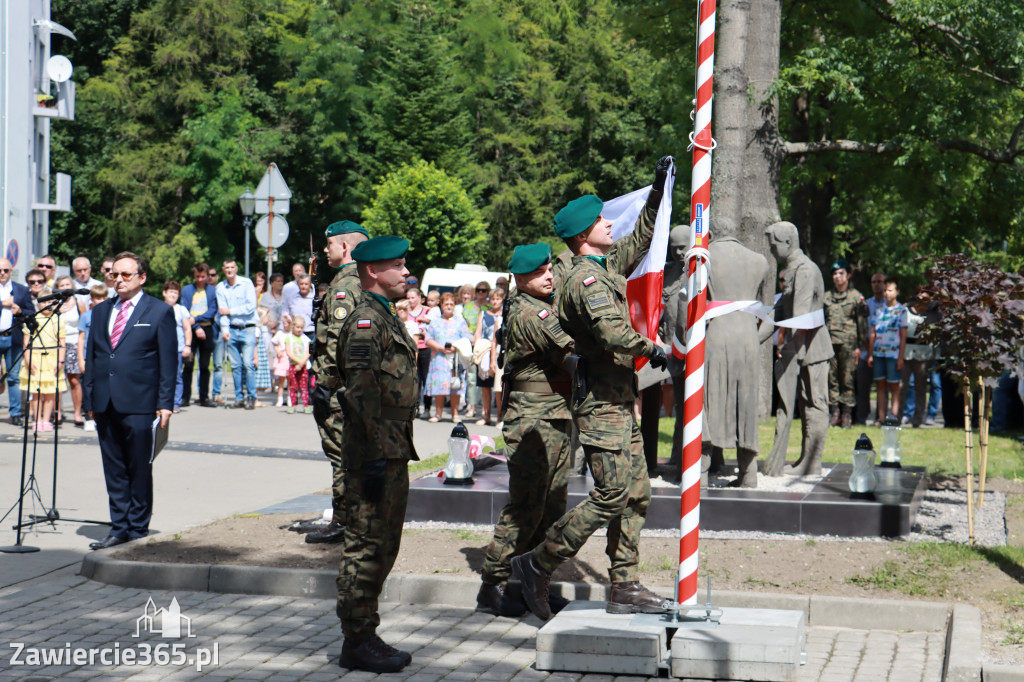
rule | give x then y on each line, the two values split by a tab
841	263
577	216
380	248
528	258
345	227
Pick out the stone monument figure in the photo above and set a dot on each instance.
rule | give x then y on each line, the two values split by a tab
803	357
673	323
731	354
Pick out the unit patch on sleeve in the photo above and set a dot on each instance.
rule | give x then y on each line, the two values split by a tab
340	313
359	354
598	301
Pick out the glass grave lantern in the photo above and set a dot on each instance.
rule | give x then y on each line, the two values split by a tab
892	451
862	480
459	469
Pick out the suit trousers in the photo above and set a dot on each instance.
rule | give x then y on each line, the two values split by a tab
126	442
8	353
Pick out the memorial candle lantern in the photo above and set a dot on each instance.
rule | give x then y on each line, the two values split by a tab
459	469
862	480
891	452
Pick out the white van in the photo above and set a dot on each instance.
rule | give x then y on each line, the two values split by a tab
445	279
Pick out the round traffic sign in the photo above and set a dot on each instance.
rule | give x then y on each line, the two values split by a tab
277	234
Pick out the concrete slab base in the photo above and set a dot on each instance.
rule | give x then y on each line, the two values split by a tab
747	644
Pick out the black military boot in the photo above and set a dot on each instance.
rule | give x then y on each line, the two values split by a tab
332	533
635	598
496	600
534	580
833	419
372	654
557	602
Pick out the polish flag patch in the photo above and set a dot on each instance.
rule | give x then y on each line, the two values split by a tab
363	324
340	295
543	314
589	280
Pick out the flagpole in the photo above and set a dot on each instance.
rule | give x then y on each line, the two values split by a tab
697	267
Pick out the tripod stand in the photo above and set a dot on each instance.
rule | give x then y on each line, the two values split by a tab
31	485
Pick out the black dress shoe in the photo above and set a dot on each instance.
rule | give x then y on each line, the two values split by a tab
206	403
109	541
186	402
17	421
332	533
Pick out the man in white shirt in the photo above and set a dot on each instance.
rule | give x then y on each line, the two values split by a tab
291	289
81	269
302	303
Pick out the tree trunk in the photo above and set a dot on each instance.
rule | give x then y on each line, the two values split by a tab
745	172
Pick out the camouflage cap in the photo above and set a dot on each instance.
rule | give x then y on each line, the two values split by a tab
841	263
344	227
577	216
528	257
380	248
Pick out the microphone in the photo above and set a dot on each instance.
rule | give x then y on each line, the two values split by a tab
62	294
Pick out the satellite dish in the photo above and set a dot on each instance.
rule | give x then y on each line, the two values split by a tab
59	68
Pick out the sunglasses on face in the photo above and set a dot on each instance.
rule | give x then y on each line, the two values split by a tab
45	266
482	291
33	282
5	269
125	276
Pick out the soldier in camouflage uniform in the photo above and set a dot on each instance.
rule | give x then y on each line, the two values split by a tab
339	301
846	316
377	359
537	427
592	308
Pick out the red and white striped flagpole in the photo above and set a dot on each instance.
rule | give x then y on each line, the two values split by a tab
693	406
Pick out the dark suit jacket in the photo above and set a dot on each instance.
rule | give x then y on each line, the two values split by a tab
138	376
24	300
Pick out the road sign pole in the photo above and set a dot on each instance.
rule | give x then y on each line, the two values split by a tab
270	237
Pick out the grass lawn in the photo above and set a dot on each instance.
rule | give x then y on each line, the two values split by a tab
940	450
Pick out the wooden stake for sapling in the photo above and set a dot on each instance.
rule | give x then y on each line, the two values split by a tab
970	461
986	402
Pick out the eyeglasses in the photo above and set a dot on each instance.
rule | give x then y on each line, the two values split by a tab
5	269
36	281
45	266
125	276
482	291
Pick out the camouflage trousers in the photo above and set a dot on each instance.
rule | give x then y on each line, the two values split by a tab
538	452
372	538
622	491
330	441
842	373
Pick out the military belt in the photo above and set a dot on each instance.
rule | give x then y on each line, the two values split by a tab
560	387
401	414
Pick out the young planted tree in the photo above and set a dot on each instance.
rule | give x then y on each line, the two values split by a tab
979	332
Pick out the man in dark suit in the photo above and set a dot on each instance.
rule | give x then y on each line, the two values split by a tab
15	299
131	363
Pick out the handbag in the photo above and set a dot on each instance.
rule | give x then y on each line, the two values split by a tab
456	382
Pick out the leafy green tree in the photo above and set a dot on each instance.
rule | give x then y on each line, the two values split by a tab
432	210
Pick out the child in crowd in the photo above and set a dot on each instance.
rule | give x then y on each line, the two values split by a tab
296	346
183	325
888	344
411	325
97	295
42	372
433	304
281	361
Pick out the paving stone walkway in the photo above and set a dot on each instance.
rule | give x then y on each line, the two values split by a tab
284	638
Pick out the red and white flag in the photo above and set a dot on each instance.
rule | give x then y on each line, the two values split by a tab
643	288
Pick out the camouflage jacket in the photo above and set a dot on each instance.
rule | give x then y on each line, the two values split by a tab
340	300
536	347
846	316
593	309
377	359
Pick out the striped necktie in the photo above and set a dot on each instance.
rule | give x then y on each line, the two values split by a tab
119	323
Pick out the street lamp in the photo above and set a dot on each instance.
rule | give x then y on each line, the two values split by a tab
247	202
